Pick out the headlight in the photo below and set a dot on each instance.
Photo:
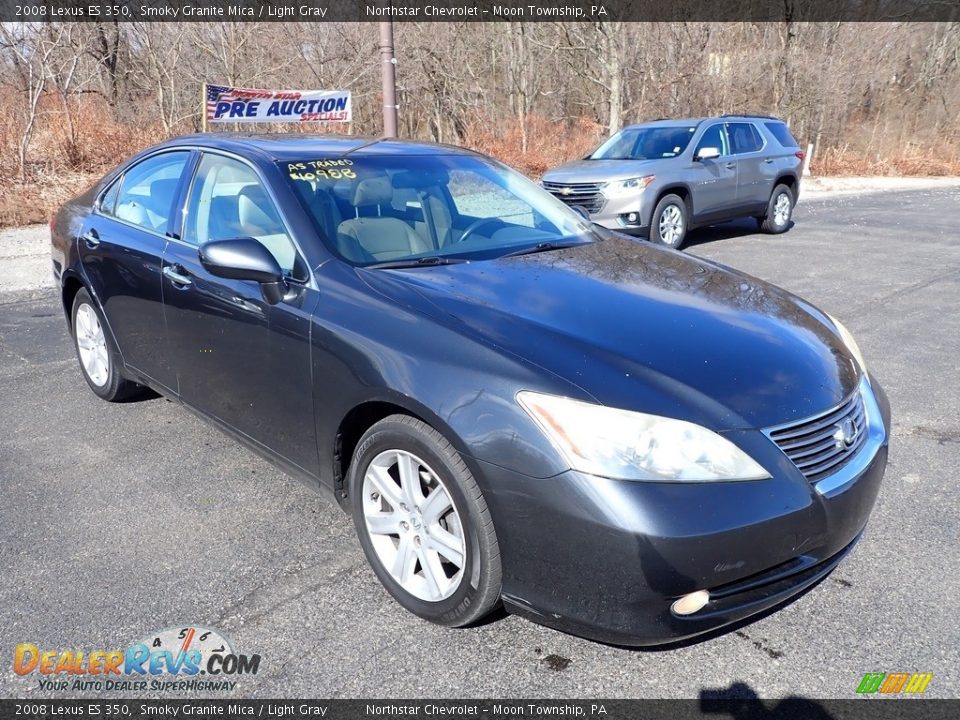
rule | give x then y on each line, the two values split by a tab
618	188
635	446
850	343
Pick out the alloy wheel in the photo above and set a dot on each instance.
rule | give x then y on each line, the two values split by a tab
781	209
92	345
671	224
414	527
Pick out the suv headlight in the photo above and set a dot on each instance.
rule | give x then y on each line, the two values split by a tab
851	344
629	445
618	188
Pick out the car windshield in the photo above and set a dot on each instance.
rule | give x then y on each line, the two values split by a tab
645	143
429	208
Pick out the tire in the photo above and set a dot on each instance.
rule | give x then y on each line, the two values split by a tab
775	221
461	594
91	340
669	223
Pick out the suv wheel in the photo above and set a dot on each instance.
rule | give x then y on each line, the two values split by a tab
779	211
668	225
423	523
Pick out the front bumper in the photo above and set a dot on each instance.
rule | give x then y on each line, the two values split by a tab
606	559
615	212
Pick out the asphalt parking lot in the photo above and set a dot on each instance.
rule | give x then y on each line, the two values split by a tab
119	520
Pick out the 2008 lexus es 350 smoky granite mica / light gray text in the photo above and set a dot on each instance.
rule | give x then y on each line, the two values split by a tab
516	406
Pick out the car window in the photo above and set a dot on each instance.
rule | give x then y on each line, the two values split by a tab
146	191
371	210
744	138
714	136
227	201
477	196
108	201
782	133
645	143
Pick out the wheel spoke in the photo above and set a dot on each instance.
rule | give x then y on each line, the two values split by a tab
432	571
383	482
435	506
445	543
383	523
405	561
409	471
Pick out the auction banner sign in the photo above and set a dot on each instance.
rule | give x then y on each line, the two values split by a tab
234	104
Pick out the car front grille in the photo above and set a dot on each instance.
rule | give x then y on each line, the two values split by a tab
817	445
585	195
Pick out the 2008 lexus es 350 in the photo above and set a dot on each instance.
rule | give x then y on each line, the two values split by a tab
608	437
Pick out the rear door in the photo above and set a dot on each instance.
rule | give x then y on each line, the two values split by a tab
120	248
714	181
237	358
753	166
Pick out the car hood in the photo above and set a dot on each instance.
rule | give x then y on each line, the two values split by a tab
645	328
590	171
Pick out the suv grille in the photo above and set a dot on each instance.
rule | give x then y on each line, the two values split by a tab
585	195
817	446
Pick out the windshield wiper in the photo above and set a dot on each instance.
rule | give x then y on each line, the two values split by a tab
414	262
542	247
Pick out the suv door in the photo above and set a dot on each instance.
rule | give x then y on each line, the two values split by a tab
237	358
754	172
714	181
120	248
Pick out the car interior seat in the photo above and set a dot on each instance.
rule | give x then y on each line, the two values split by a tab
375	235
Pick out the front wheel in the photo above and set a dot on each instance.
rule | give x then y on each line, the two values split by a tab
779	211
423	523
668	226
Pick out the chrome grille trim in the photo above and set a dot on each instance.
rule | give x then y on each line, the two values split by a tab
810	442
585	195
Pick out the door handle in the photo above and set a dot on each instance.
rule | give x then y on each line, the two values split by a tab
768	160
177	275
730	165
91	238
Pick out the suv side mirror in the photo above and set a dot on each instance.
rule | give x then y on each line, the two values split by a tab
707	153
245	259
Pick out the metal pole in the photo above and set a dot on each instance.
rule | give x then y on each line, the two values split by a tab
203	107
388	67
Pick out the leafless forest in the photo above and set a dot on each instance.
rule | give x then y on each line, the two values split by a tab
875	98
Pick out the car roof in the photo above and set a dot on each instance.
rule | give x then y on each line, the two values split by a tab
299	146
694	122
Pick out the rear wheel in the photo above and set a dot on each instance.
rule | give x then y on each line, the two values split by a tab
99	359
423	523
779	211
668	225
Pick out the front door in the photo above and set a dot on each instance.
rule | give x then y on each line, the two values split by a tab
714	180
121	245
238	358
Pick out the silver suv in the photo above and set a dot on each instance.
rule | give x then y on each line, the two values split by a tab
665	177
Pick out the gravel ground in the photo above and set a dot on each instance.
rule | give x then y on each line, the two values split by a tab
118	520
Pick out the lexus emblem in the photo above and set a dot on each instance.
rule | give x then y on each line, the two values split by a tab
846	434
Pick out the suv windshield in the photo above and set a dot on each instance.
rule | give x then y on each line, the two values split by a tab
645	143
428	208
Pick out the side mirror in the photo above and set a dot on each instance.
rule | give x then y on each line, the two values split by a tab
707	153
245	259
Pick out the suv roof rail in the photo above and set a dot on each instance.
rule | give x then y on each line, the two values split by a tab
752	115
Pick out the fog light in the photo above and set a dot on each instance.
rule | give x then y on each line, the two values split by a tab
689	604
632	217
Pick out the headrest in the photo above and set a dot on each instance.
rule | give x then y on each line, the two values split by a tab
161	196
255	210
373	191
